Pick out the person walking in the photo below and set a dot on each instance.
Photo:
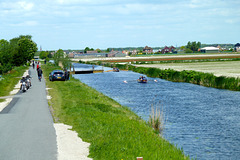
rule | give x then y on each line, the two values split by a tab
37	67
33	64
39	72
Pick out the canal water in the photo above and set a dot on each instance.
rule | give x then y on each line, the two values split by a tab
204	122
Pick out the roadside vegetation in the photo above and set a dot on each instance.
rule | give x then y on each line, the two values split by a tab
113	130
9	80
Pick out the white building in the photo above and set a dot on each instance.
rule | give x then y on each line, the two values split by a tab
210	50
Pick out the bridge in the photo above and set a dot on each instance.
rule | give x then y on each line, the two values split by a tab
86	71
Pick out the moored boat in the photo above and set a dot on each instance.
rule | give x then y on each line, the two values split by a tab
115	69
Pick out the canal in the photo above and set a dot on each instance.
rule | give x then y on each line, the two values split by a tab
204	122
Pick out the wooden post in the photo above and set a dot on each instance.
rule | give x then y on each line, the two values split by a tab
139	158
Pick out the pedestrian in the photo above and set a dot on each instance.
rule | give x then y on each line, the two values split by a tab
39	72
37	67
33	64
66	74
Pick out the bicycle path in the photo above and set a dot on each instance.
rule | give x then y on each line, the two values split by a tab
26	126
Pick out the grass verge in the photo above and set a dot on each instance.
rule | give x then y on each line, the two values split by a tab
113	130
9	80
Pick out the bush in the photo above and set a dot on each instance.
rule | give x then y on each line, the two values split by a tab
188	50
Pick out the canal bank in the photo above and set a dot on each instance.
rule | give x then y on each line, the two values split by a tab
203	121
113	130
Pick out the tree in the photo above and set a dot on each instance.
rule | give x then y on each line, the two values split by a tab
16	52
43	54
5	58
66	62
27	49
98	50
193	46
182	47
4	49
58	56
199	45
22	49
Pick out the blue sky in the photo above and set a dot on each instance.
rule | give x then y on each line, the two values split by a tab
76	24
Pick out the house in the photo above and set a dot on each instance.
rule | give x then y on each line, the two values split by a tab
147	49
88	52
71	55
172	49
237	47
165	50
209	50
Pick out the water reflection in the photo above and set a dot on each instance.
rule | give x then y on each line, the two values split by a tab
205	122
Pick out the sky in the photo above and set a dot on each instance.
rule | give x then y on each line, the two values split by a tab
76	24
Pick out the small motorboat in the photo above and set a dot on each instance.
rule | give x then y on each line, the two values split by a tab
115	69
142	79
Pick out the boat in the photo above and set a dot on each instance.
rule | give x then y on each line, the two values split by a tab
142	79
115	69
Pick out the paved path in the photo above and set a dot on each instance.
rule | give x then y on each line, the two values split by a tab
26	126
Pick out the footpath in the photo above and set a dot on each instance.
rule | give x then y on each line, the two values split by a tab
26	126
27	130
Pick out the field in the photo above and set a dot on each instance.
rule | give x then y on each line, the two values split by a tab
162	57
224	68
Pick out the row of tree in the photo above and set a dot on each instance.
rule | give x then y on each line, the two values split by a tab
193	46
16	52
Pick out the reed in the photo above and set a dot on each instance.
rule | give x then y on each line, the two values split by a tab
157	120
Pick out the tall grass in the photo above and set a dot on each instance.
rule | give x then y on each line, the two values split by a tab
157	120
113	130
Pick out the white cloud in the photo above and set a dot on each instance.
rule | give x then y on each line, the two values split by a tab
26	24
17	6
25	5
90	2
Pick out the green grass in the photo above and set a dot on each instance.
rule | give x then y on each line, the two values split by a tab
113	130
9	80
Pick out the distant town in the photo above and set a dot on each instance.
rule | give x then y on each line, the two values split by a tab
191	47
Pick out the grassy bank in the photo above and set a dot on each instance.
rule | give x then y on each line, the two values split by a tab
113	130
9	80
189	76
